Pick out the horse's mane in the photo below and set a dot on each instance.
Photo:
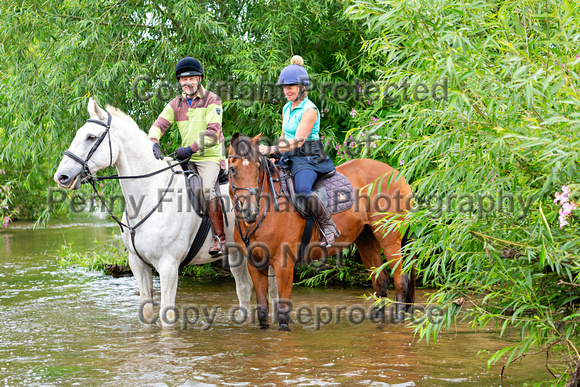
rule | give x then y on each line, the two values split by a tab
120	114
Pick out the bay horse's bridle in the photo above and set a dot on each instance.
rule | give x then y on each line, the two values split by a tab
257	192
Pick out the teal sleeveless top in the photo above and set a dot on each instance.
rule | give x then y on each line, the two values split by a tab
292	119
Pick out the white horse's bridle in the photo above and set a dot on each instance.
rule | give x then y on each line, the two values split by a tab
85	171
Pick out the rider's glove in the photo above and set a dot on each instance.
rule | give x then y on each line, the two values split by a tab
184	152
157	151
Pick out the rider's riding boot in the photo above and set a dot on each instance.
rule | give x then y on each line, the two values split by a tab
217	222
325	222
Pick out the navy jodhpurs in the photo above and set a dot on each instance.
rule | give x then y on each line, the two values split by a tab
303	182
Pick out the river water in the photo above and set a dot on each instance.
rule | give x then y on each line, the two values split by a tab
69	326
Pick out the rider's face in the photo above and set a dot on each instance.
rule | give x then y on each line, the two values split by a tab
291	92
189	84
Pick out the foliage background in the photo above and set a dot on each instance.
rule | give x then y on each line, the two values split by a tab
508	125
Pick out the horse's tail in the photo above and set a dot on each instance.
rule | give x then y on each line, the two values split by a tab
411	277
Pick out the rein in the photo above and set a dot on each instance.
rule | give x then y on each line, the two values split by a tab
258	194
87	177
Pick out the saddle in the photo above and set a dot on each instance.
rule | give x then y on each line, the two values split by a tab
333	188
194	185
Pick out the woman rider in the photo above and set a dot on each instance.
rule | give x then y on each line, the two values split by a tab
300	145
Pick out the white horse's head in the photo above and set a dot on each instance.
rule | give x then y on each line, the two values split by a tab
92	149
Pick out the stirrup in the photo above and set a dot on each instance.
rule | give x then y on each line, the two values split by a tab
324	239
217	253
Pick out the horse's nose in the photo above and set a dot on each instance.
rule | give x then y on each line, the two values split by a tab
249	215
63	179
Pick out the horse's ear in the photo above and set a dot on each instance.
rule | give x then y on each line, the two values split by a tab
95	110
256	140
233	141
235	137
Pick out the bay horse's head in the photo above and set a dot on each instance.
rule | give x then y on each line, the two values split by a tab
90	150
244	175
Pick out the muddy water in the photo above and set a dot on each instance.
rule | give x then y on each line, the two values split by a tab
63	326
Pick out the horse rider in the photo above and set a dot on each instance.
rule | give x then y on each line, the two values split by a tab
197	113
300	145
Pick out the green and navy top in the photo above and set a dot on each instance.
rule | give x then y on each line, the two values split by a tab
292	118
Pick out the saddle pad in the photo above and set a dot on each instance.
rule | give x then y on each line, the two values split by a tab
338	190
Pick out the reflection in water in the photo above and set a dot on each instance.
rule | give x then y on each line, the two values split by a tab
66	326
7	247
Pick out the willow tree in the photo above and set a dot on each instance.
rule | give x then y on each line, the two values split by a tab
57	54
493	156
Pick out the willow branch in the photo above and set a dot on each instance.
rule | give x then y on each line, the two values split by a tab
173	21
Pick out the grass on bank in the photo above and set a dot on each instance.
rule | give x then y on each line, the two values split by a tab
344	270
111	259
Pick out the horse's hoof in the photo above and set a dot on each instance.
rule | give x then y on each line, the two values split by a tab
284	327
264	326
400	317
378	312
378	315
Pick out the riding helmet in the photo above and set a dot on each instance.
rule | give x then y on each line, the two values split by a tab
295	74
188	67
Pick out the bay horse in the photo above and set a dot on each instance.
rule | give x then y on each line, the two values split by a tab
277	234
159	225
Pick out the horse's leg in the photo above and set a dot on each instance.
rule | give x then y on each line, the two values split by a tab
391	245
273	289
370	253
167	269
284	269
144	277
260	280
244	285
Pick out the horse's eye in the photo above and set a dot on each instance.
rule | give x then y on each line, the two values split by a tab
233	170
91	137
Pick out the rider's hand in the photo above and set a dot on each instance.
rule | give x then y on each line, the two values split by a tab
184	152
266	150
157	151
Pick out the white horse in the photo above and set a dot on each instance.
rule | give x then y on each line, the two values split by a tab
169	228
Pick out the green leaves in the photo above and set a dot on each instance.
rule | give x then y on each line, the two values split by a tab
485	161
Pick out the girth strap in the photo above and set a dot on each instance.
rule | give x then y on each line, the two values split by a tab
202	232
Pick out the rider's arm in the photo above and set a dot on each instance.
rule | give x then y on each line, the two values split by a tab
163	122
304	128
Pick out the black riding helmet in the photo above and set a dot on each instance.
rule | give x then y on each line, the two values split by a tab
188	67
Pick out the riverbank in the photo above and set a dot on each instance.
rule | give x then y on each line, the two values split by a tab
111	258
